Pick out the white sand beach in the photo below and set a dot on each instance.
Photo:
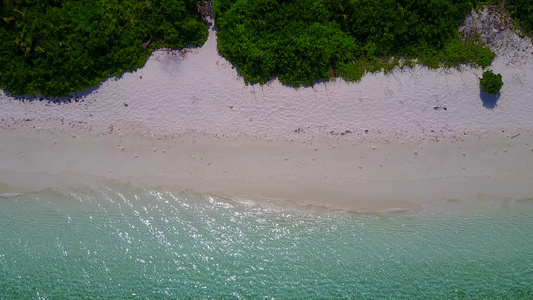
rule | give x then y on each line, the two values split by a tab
412	139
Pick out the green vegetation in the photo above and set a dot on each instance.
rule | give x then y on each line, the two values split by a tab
303	41
55	47
522	10
491	83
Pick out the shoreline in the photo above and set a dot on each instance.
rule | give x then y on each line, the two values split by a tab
334	173
347	146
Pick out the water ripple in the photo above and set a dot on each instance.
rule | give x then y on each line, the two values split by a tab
126	242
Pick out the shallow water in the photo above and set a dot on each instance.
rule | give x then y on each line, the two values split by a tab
126	242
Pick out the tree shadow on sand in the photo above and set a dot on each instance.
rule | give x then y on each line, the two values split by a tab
72	97
489	100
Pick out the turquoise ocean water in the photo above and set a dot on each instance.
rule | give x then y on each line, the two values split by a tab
104	242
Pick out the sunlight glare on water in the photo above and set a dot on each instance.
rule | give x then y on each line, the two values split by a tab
127	242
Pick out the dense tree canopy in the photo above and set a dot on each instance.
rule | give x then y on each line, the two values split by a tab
302	41
295	40
54	47
522	10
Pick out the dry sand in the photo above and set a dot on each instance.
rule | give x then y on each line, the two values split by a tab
332	172
416	138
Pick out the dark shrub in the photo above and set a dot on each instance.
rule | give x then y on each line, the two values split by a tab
491	83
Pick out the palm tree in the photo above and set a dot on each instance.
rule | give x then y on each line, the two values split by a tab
344	7
31	41
5	11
